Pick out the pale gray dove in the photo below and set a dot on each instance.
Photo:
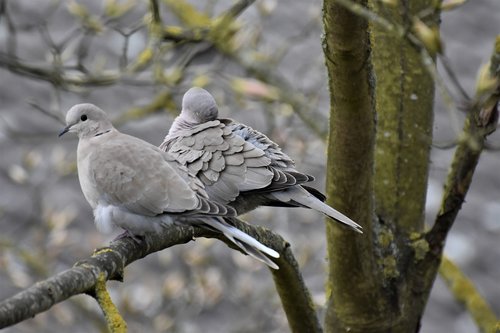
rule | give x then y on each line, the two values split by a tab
238	165
133	185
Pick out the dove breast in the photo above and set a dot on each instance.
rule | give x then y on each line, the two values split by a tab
135	177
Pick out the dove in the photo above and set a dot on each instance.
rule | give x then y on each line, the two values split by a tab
238	165
133	185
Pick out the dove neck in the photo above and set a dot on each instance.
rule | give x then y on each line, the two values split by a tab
180	123
104	132
93	128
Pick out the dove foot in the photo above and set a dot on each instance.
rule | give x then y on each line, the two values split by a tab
136	238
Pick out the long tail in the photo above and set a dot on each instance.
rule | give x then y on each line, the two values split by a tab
247	243
299	195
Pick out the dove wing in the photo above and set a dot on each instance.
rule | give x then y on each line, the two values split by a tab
225	163
135	175
278	158
283	167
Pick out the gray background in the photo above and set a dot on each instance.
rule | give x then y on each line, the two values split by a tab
202	286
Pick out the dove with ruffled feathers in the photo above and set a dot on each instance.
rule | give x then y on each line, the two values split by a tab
238	165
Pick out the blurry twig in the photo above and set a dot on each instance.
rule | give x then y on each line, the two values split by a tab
445	144
314	120
451	74
11	29
204	32
115	322
163	100
126	36
155	11
46	112
466	293
200	27
236	9
452	4
62	79
491	147
207	33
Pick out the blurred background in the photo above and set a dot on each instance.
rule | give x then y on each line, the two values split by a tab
268	72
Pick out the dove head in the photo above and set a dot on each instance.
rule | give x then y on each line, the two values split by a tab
86	120
198	106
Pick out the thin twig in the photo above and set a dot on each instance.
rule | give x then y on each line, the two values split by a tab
453	77
466	157
466	293
237	9
11	29
35	105
155	11
115	321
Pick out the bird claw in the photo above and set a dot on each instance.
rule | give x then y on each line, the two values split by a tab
127	234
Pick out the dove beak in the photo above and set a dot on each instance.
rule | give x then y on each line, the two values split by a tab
65	130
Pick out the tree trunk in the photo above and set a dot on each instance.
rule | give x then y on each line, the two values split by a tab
378	155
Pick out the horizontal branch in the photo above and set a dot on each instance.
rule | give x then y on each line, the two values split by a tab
58	76
84	275
111	261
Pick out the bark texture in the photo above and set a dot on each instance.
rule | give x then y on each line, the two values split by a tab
349	173
382	89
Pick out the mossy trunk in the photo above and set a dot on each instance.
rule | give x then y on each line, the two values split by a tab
349	174
404	102
378	156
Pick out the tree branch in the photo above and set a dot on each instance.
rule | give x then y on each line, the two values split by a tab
108	263
294	295
116	324
84	275
466	293
481	121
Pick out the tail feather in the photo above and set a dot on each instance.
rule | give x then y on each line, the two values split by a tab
303	197
320	196
254	253
247	243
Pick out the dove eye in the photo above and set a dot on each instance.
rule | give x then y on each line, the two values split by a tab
83	117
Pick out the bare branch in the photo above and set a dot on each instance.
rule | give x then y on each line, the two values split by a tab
428	247
46	112
236	9
295	296
116	324
466	293
110	262
155	11
84	275
315	121
12	32
481	121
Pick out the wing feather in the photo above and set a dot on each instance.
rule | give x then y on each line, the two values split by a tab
137	177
